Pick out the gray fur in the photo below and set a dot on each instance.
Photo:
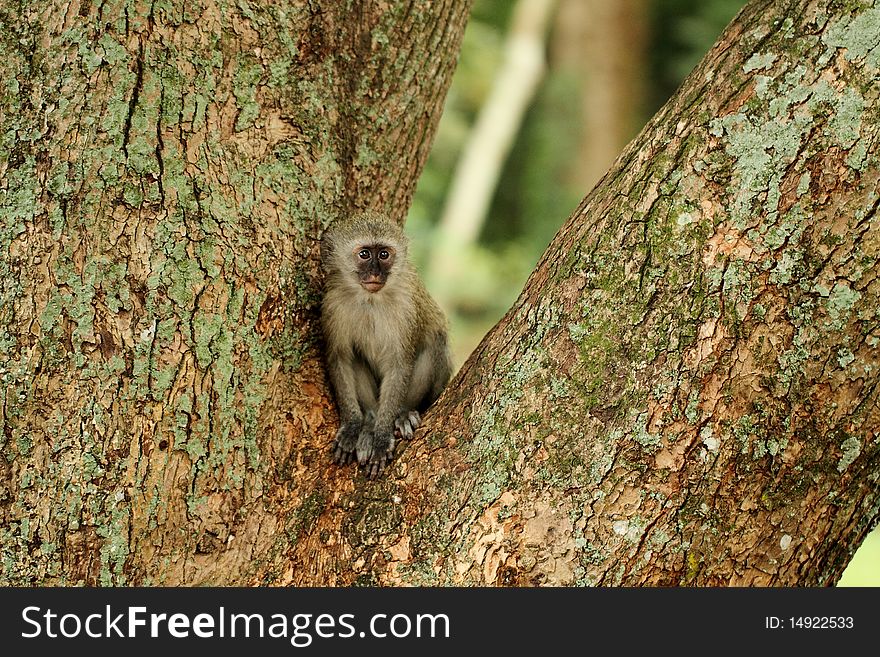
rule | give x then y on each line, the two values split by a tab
387	351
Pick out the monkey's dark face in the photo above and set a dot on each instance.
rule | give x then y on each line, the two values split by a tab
374	262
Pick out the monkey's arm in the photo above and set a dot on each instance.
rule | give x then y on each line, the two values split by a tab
375	446
342	376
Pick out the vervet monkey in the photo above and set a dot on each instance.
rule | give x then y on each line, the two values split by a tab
386	338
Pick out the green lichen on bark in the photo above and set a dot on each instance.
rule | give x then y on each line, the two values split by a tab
183	259
165	170
857	35
706	300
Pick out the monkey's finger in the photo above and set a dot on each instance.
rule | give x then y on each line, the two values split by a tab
376	467
341	456
402	429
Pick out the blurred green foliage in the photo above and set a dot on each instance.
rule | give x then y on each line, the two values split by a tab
532	200
683	31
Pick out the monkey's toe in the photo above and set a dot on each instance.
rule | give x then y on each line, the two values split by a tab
406	424
376	466
374	452
364	450
378	461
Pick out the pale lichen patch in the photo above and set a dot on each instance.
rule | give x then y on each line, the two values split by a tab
851	448
859	37
759	61
709	439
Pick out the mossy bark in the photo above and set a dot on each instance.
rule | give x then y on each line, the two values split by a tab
685	392
166	168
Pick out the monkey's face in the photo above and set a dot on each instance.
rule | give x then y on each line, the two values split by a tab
374	262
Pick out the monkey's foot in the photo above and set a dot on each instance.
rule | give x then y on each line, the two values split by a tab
406	424
374	450
345	445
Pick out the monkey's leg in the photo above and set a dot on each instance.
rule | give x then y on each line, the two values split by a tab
430	374
366	385
375	445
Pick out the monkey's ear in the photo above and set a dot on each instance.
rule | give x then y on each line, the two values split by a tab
326	250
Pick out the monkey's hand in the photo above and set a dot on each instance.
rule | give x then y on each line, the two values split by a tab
346	442
374	450
406	424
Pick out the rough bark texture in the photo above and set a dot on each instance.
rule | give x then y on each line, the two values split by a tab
685	392
165	172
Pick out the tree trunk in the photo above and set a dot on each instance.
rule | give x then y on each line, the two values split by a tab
684	393
602	45
686	390
166	171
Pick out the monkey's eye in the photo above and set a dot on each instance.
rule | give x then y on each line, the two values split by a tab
364	254
384	255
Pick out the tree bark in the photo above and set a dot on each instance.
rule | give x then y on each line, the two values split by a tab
684	393
167	169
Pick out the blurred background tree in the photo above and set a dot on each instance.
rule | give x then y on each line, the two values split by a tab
511	161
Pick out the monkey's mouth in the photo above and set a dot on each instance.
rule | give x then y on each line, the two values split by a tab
372	286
